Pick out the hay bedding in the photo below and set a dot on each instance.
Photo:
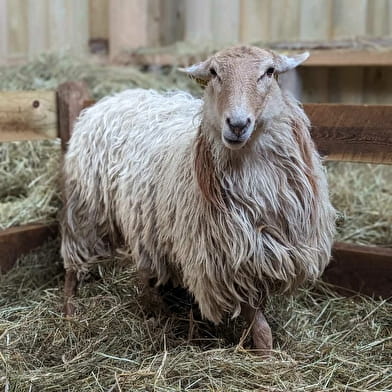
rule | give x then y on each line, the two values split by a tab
322	341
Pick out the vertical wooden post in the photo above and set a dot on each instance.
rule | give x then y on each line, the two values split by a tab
70	100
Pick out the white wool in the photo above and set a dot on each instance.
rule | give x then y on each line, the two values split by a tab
130	182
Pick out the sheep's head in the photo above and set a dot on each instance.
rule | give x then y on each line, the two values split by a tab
240	84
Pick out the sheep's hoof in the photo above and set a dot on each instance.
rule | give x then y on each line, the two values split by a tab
261	335
260	330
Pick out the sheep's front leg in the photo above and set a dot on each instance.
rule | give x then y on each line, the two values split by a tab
70	285
261	331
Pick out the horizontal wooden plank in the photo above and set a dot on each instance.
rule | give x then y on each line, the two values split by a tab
17	241
355	133
28	115
364	269
318	58
349	58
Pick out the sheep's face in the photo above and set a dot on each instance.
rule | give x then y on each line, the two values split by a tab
240	84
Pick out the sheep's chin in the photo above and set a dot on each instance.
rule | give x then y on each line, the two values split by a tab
233	145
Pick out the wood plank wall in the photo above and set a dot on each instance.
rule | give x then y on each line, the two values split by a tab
30	27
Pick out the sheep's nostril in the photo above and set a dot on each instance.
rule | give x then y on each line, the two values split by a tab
248	121
228	121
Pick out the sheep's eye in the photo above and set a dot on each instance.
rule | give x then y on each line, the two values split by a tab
270	71
213	72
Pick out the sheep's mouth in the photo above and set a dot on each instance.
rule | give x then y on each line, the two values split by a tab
234	144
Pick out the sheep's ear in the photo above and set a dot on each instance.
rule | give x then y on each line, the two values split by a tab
200	72
285	63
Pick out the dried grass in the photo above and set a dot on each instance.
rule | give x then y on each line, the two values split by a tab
322	341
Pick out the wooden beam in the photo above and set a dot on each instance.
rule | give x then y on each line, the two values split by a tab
71	97
27	115
364	269
318	58
355	133
17	241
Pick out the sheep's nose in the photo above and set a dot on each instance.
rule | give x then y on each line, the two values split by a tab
238	126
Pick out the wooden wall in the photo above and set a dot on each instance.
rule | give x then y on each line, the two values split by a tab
30	27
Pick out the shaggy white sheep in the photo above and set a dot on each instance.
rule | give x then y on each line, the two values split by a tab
225	196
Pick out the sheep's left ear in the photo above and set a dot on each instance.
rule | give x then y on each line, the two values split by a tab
200	72
285	63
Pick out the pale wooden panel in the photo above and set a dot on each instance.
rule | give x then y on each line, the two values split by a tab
38	26
172	21
349	18
198	21
17	29
377	18
254	20
59	30
225	20
284	15
3	32
78	21
315	20
27	115
154	20
127	25
99	19
389	13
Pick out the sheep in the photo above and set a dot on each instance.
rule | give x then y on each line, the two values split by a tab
225	196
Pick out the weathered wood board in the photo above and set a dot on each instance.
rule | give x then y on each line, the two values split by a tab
27	115
354	133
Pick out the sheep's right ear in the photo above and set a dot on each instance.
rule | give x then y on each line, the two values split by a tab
200	72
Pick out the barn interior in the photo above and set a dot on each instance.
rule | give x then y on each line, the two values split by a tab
327	337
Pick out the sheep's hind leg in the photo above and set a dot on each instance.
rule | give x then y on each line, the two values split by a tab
70	286
261	331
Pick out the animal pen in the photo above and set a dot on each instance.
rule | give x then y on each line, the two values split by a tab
333	336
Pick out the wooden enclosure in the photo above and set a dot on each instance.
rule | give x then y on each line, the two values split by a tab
29	27
360	133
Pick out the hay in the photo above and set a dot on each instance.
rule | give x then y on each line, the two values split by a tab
322	341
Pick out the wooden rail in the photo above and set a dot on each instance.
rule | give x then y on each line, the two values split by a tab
361	133
318	58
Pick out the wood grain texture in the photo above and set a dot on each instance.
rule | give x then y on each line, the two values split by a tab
98	19
27	115
198	17
3	32
363	269
225	21
254	20
70	97
17	241
355	133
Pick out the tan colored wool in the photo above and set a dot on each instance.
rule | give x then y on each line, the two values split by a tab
154	175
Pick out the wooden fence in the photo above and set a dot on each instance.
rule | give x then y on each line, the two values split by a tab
360	133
